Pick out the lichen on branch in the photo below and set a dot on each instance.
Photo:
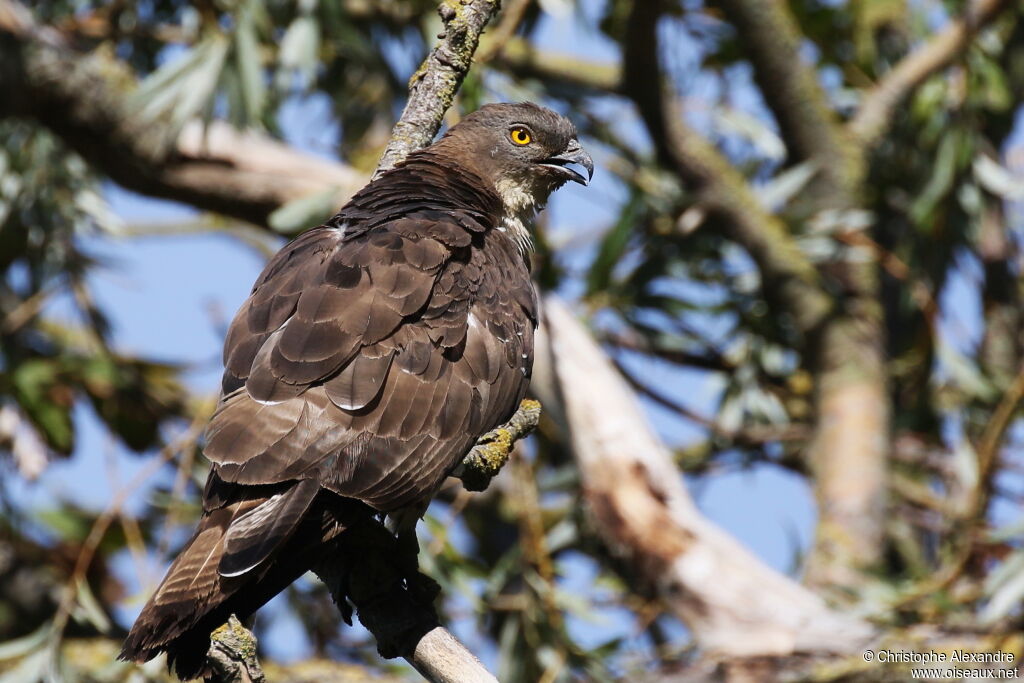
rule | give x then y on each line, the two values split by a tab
494	448
432	88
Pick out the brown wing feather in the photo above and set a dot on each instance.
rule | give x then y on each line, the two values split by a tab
405	343
369	357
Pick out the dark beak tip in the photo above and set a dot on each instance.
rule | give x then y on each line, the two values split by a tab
575	155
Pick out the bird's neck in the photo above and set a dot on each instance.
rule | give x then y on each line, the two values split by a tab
519	211
428	177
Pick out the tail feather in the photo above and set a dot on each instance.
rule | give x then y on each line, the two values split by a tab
196	596
190	590
255	536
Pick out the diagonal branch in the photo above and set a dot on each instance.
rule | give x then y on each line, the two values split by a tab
733	604
875	114
432	88
769	34
790	279
520	57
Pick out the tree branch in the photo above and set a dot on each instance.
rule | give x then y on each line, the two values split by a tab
521	58
875	114
733	604
84	100
492	450
790	280
232	654
432	88
768	32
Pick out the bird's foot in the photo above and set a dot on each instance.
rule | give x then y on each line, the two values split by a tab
492	450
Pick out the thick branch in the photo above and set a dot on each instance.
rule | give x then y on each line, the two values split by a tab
734	605
790	279
432	88
768	32
85	101
875	114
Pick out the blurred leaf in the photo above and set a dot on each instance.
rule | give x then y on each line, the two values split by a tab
88	609
305	211
777	192
184	87
46	401
19	647
997	179
965	373
732	121
299	49
939	183
612	248
250	68
31	669
1005	588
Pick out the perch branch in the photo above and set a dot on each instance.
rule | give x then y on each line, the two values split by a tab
232	654
432	88
395	603
875	114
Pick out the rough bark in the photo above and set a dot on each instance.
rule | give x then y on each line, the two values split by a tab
432	88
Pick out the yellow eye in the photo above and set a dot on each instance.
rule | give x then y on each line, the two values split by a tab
520	136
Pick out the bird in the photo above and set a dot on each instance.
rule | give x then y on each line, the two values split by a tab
371	354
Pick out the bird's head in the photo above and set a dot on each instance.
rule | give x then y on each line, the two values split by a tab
525	151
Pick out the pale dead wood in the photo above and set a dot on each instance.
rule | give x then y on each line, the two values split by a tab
734	605
441	658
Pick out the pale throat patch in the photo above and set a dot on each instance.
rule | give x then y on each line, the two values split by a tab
520	209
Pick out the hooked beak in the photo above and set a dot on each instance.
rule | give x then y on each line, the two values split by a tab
573	154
